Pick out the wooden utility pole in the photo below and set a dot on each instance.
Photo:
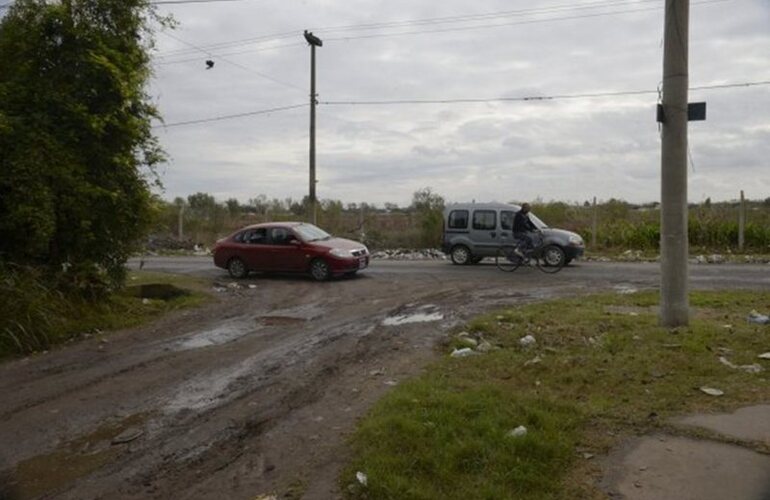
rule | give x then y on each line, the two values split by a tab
674	246
314	42
181	221
741	223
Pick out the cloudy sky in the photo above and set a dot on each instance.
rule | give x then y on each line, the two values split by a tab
568	149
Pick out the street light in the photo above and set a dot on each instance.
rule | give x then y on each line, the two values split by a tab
314	42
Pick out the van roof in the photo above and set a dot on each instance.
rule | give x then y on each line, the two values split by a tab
483	206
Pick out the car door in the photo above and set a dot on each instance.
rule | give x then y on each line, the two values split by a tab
484	232
285	250
253	248
506	226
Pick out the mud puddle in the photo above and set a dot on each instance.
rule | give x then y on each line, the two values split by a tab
420	314
48	473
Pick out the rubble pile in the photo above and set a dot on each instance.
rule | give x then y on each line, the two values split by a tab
409	254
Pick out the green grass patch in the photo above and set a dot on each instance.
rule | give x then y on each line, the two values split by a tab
37	318
602	369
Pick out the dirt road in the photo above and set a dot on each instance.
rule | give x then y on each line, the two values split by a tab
255	393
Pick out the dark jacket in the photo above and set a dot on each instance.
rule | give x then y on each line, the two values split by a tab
522	224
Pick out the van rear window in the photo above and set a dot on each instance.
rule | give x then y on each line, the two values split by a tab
458	219
484	219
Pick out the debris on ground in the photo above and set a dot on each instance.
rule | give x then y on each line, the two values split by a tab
377	372
534	361
754	368
484	346
518	432
127	436
468	341
409	254
266	497
759	319
711	391
764	355
527	341
361	478
625	289
462	353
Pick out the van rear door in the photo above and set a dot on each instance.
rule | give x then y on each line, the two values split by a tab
484	232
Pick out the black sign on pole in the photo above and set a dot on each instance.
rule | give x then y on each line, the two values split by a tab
696	112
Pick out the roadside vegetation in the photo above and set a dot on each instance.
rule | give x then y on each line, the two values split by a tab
36	317
600	370
620	226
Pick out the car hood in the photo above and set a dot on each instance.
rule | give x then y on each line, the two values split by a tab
560	233
341	243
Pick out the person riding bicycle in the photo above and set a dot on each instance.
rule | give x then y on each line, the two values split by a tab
524	229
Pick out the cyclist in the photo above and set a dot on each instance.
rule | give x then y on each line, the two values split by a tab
524	229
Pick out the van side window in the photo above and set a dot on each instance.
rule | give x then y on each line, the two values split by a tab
484	219
458	219
506	220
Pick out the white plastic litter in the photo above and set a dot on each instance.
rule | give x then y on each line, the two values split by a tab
764	355
518	431
527	340
711	391
361	478
461	353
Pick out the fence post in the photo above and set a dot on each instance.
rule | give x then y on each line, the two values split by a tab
594	226
181	222
741	222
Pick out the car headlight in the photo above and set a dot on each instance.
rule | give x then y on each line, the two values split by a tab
575	240
338	252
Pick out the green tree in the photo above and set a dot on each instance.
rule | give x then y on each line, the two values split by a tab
76	146
429	207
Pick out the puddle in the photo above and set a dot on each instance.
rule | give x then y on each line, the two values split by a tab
218	335
157	291
44	474
422	314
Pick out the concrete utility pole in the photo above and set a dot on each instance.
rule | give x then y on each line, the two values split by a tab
314	42
674	246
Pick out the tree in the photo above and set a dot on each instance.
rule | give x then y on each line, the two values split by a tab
77	154
429	207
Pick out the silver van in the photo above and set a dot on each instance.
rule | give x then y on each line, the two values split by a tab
473	231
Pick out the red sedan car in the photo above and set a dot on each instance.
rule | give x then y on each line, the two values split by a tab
289	247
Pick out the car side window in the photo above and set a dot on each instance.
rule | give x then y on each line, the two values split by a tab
254	236
458	219
280	236
506	220
484	219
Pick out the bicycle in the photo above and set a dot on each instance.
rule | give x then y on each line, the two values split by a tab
548	258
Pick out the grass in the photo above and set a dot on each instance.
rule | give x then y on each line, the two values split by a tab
38	318
602	369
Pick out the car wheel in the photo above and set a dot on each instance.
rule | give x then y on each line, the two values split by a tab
237	268
320	270
461	255
554	256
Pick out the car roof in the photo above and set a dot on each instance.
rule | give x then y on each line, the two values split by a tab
272	224
483	206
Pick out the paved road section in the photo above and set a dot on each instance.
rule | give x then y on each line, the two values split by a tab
256	392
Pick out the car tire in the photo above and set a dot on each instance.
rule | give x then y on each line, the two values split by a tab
320	270
460	255
553	256
237	268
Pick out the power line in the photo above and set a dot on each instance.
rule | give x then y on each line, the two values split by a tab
210	54
471	100
416	22
229	117
554	97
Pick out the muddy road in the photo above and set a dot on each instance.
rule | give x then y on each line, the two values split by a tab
256	392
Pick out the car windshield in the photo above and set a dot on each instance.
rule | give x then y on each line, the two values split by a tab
540	224
309	232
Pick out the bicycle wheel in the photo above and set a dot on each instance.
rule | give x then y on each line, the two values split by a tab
551	259
506	259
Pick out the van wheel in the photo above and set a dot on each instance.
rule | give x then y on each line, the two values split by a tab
461	255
